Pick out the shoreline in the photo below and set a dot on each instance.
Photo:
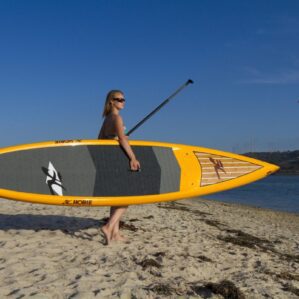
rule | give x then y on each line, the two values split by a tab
238	204
191	248
285	173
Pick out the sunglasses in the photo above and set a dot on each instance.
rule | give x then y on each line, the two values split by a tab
120	100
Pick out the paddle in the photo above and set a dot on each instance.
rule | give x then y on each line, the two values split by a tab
159	107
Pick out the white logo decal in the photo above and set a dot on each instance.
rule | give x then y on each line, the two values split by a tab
54	180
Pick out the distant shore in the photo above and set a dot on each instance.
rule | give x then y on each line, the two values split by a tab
192	248
288	161
281	172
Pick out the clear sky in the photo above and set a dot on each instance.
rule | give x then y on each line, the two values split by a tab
58	60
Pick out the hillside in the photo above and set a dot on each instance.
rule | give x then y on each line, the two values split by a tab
288	161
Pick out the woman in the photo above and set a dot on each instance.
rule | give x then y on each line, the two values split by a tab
113	128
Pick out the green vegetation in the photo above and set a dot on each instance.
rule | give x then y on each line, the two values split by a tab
288	161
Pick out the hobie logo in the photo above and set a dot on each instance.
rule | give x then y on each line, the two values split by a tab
53	180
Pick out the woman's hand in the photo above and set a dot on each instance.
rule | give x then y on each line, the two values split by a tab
134	164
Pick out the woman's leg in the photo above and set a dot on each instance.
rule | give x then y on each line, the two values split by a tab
111	228
115	229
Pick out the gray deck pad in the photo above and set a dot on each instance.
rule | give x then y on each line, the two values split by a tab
93	170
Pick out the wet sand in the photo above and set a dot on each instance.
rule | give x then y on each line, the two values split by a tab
188	249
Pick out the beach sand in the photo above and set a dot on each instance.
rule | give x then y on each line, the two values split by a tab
186	249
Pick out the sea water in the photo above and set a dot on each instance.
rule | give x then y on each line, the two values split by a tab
277	192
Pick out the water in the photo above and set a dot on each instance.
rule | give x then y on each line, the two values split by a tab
276	192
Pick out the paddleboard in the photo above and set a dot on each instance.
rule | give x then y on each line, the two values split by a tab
97	172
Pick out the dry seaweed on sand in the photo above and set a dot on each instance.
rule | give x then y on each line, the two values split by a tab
289	288
282	275
159	254
202	258
225	288
134	220
288	257
288	276
199	258
214	223
161	289
240	238
180	207
245	240
149	262
129	227
149	217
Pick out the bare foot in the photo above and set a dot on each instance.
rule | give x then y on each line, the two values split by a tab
118	237
107	234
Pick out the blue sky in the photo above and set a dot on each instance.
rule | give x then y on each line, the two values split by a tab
58	59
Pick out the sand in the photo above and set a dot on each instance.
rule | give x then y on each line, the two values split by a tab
185	249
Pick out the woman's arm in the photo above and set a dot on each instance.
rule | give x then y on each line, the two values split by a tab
123	141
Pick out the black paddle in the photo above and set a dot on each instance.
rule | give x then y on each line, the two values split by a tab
159	107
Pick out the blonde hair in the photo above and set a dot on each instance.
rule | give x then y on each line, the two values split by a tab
109	97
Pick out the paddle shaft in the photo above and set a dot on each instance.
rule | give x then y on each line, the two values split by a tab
159	107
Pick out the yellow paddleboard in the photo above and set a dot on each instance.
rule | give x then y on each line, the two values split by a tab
97	172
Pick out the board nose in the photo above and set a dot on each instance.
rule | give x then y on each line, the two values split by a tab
271	168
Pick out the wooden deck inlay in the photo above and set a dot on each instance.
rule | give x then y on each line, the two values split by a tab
216	169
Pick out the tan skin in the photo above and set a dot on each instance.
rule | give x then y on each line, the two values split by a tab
113	126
